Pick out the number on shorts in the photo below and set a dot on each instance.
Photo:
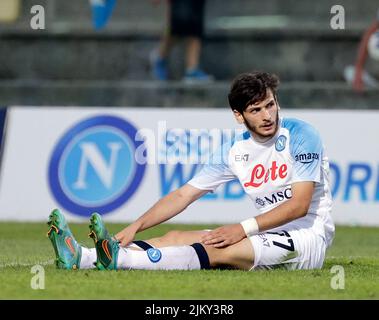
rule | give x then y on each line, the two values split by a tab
289	247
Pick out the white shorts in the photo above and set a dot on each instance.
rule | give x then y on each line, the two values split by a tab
293	249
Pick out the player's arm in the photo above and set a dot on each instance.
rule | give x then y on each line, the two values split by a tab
163	210
169	206
212	175
288	211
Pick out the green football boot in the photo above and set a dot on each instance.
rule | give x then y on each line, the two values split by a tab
107	247
67	251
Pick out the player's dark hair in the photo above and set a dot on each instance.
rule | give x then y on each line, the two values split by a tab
250	88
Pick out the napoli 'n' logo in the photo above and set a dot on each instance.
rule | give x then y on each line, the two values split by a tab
280	143
93	168
154	255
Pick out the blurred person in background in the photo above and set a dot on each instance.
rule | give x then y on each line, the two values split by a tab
184	20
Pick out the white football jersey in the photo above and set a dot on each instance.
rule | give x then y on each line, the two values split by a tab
267	170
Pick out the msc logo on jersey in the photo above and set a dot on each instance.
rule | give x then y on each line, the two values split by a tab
93	168
273	198
280	143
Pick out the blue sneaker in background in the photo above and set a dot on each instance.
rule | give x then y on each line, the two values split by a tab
197	75
159	67
101	12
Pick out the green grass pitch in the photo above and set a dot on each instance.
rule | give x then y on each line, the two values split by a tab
23	245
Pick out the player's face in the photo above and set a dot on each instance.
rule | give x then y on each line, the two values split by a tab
262	117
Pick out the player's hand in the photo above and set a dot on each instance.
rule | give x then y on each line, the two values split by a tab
224	236
126	235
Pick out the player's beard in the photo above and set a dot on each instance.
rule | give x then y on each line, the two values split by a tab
258	135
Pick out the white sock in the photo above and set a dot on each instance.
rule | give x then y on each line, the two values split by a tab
168	258
88	258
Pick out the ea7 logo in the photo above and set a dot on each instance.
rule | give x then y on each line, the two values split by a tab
264	240
307	157
241	157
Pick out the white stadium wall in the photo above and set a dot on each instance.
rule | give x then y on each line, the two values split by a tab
83	160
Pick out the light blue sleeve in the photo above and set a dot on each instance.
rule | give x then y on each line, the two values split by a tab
214	173
306	149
